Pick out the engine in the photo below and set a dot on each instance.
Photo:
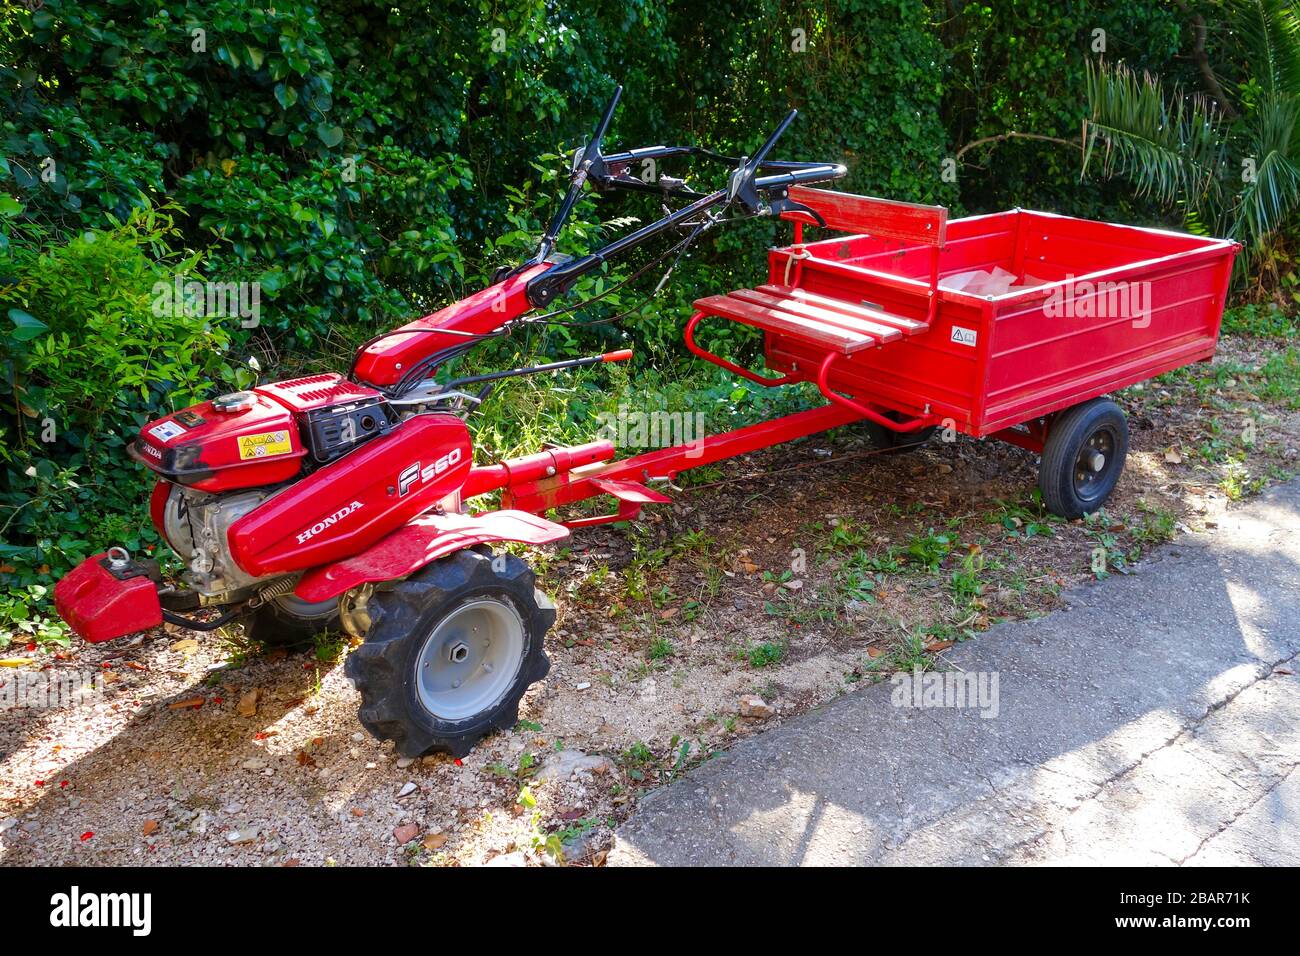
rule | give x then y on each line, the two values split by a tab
263	484
264	436
196	525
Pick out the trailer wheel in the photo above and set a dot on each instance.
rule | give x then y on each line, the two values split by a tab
450	651
897	442
288	620
1083	457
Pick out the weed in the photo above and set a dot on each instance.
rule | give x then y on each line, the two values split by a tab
1024	521
928	550
765	654
329	646
1261	321
965	583
908	654
1158	525
844	534
1281	375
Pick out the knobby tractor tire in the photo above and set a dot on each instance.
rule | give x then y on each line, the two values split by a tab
1083	457
450	651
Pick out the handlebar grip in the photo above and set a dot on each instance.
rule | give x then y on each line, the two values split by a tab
813	174
622	355
766	148
593	147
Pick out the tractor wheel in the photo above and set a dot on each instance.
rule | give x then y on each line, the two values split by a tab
450	651
288	620
1083	457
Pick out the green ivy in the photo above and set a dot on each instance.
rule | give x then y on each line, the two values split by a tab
365	162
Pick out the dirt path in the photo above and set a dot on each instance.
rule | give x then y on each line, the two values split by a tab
831	568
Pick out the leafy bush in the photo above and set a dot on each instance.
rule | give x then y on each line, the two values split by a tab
89	355
364	162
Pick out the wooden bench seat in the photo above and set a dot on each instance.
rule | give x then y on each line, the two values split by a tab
835	324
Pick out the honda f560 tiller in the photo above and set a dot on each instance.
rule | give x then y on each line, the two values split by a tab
335	500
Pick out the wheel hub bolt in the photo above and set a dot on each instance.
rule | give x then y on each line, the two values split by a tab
459	651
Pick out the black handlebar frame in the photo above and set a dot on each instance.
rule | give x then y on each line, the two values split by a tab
581	169
760	195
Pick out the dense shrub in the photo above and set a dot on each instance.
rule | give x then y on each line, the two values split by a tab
364	161
1020	68
86	356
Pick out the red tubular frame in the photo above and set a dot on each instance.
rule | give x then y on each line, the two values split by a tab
823	383
719	361
528	492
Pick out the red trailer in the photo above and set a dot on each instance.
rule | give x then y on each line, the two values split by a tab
339	500
875	320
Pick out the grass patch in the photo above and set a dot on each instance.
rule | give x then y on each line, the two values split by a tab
1265	321
1281	378
765	654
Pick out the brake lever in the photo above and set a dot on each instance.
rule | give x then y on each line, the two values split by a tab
785	204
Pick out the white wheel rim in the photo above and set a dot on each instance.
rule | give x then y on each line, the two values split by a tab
470	660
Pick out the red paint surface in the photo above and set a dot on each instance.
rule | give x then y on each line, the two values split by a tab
99	607
422	541
1025	363
384	362
367	485
277	408
885	218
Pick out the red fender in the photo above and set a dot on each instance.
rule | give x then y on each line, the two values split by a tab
424	540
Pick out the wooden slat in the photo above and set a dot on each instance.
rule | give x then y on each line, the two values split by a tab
885	218
801	307
824	334
905	325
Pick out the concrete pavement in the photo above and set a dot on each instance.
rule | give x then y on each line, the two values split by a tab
1156	720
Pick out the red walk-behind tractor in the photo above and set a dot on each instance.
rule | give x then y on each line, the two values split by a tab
336	500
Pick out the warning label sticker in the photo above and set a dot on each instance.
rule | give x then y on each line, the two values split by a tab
963	336
264	445
166	431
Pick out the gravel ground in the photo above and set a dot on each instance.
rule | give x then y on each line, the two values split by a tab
202	749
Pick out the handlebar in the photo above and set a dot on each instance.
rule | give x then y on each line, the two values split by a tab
610	172
593	148
581	167
746	172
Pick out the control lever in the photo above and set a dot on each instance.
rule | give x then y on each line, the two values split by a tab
742	186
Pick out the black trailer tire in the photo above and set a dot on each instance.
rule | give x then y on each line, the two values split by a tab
897	442
450	652
1083	457
288	622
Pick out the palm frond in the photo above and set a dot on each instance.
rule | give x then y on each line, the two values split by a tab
1269	31
1170	147
1273	192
